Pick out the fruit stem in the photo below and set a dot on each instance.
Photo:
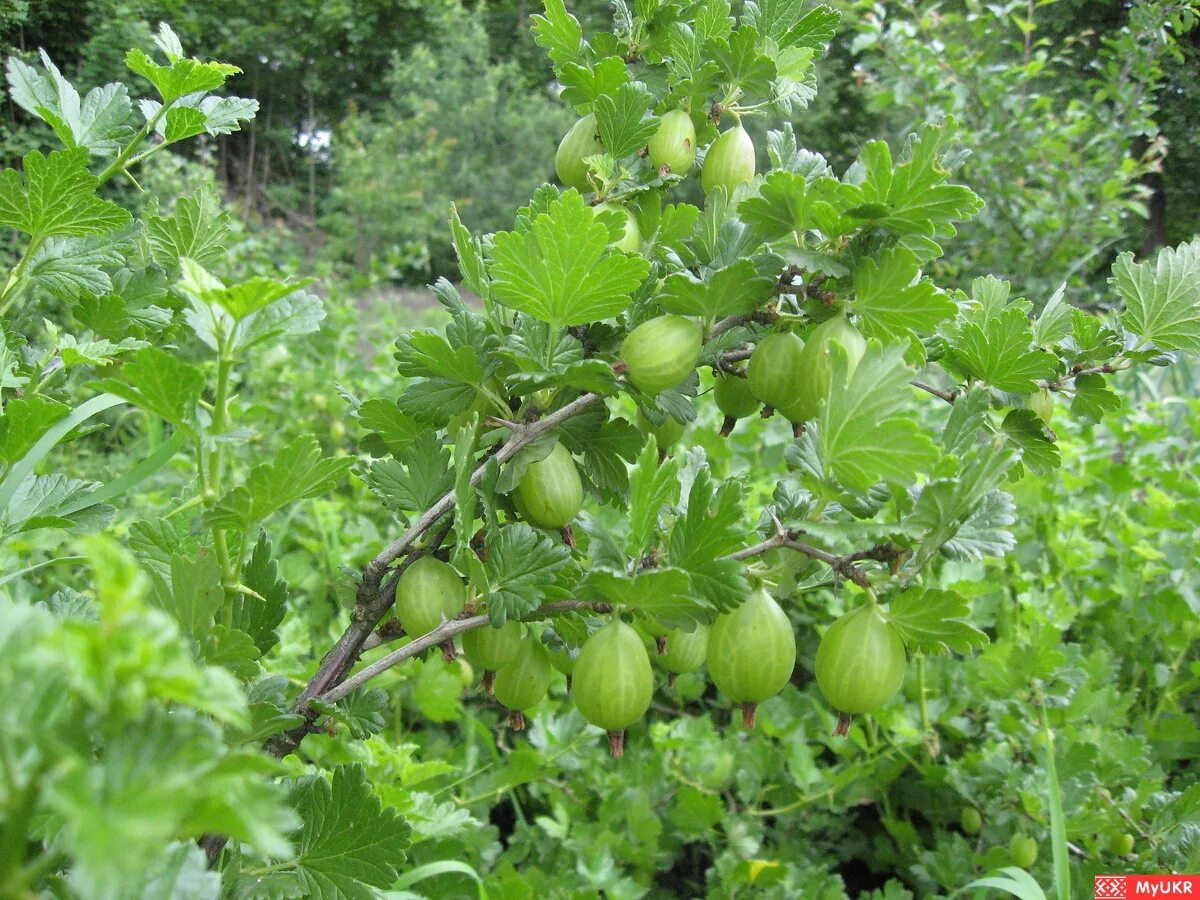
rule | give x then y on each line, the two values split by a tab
748	711
616	744
924	705
843	725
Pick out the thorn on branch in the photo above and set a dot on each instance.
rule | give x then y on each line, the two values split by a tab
948	396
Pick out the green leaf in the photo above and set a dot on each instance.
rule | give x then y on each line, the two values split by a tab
651	486
621	118
558	32
428	354
180	873
154	542
1054	322
194	593
260	617
384	419
416	478
181	77
96	122
741	63
606	445
349	843
363	712
664	594
57	197
68	268
1092	340
182	122
521	565
944	505
986	531
584	84
197	229
866	431
52	501
774	18
231	649
25	466
1011	880
790	203
1093	400
711	528
934	621
912	197
1162	299
559	269
297	473
26	419
469	250
466	499
1030	435
893	301
734	290
815	29
159	382
436	400
994	344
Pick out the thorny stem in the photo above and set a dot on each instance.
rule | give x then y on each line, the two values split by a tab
445	632
846	566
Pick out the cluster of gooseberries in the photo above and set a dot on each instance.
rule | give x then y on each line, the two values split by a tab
750	651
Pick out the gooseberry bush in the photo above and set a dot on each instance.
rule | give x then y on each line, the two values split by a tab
554	509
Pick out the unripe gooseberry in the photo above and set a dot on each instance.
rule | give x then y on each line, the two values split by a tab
1024	850
612	683
729	162
685	651
550	491
582	141
816	363
492	648
1042	404
522	683
666	435
631	237
774	371
674	144
751	652
734	397
661	353
428	592
971	820
860	663
1121	844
